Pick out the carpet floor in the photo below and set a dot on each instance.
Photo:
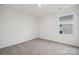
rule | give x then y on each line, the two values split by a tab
40	47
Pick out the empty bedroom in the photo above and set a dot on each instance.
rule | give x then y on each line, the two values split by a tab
39	29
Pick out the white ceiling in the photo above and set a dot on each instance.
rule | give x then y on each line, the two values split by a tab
35	10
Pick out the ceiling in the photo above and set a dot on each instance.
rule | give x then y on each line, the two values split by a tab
35	10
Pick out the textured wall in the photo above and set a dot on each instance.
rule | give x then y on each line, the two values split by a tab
16	27
49	27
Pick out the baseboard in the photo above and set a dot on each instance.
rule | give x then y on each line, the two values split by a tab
60	42
40	38
17	43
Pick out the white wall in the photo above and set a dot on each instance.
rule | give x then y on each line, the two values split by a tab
16	27
49	27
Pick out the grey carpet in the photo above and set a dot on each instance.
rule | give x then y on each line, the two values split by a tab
40	47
